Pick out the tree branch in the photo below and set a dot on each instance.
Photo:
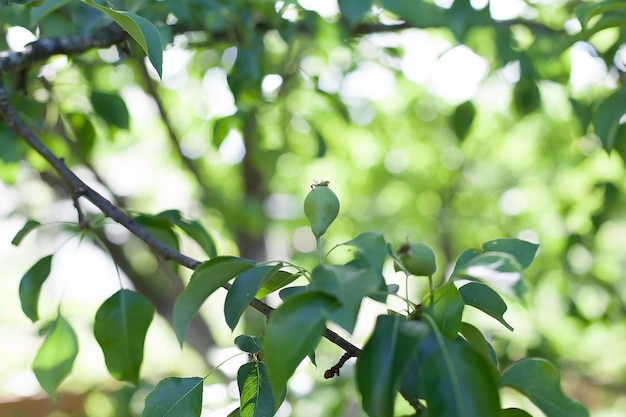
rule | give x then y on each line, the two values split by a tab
79	189
44	48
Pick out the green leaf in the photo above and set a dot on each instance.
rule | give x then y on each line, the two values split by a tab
175	397
235	413
193	229
111	108
293	331
419	13
447	309
141	30
381	364
354	10
499	269
486	300
160	228
55	358
242	292
457	382
514	412
526	96
277	281
477	340
47	7
540	381
249	344
522	250
256	397
207	278
30	286
462	119
373	249
25	230
606	119
347	283
120	328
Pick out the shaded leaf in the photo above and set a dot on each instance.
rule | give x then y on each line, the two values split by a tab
421	14
175	397
522	250
380	366
499	269
514	412
373	248
256	397
111	108
348	284
160	228
56	356
30	287
25	230
120	328
47	7
293	331
462	119
354	10
477	340
250	344
277	281
540	381
193	229
457	382
141	30
486	300
207	278
526	96
606	119
243	290
447	309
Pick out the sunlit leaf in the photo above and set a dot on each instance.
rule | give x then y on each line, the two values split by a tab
25	230
294	329
540	381
277	281
447	309
141	30
207	278
56	356
250	344
242	292
383	360
175	397
486	300
30	287
120	328
457	382
255	391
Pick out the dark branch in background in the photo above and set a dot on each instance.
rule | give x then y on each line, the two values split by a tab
44	48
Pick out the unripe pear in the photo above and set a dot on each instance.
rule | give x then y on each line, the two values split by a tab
418	258
321	207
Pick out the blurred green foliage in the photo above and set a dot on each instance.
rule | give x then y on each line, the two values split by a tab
450	124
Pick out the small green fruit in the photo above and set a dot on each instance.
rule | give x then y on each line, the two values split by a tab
418	258
321	207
